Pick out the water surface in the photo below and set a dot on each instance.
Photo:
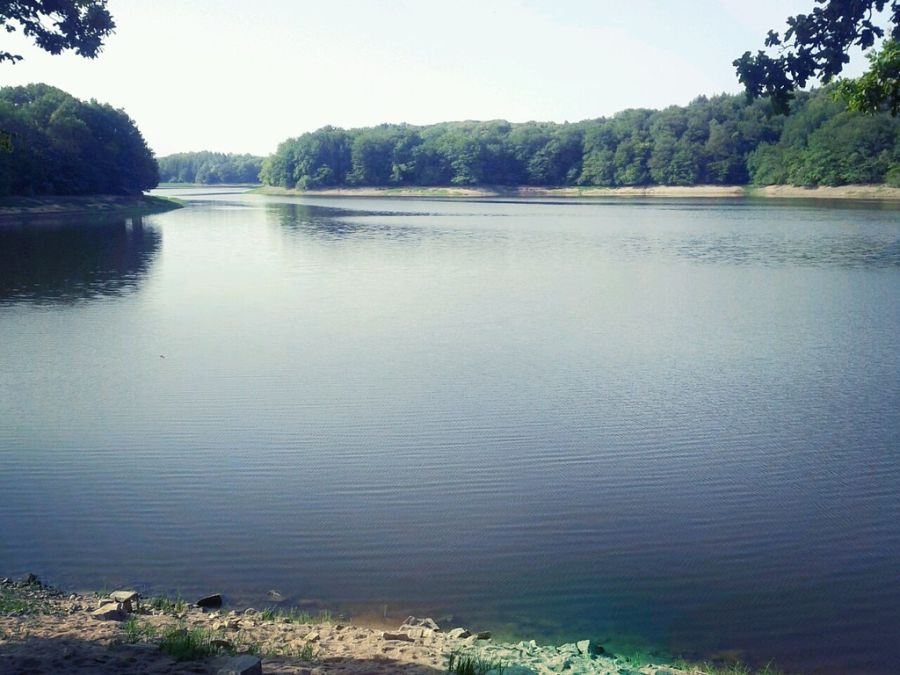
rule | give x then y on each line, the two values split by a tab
667	424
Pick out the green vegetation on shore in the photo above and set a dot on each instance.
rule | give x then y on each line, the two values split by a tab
209	168
60	145
16	207
722	140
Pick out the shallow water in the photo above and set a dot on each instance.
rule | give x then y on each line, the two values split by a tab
663	424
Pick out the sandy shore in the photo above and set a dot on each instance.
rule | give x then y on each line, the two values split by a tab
873	192
43	630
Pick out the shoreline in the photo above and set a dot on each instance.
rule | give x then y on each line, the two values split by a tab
44	629
17	208
881	193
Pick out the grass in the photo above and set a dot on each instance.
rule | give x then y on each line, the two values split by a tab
307	653
163	603
184	644
138	631
710	668
461	664
294	615
14	604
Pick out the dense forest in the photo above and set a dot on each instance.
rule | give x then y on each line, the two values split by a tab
209	168
56	144
723	140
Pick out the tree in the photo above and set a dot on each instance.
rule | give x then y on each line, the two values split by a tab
815	46
58	25
880	86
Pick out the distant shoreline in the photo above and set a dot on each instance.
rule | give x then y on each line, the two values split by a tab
16	208
870	192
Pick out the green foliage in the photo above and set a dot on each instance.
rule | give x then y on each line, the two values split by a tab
815	45
720	140
822	144
878	88
209	168
63	146
57	25
461	664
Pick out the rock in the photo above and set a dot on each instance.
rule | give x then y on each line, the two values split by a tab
242	665
413	622
6	581
312	637
458	633
129	599
249	611
589	647
111	611
219	643
401	637
483	635
210	601
275	596
29	580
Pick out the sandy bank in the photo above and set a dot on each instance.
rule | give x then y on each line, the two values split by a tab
875	192
43	630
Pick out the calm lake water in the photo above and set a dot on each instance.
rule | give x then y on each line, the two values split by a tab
664	425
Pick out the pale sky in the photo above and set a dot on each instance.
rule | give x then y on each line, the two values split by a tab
236	76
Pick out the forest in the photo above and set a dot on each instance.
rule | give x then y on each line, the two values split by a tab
56	144
59	145
719	140
209	168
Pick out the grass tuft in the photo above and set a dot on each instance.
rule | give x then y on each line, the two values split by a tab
184	644
294	615
461	664
12	604
164	603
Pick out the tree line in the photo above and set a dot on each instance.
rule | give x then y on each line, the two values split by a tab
725	139
57	144
209	168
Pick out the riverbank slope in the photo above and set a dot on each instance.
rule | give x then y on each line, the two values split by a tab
13	208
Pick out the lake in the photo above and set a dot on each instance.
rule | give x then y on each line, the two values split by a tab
666	425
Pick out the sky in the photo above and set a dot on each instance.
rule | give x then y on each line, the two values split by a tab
238	76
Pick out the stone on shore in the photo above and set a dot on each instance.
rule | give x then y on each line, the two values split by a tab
458	634
242	665
210	601
111	611
400	637
413	622
589	647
